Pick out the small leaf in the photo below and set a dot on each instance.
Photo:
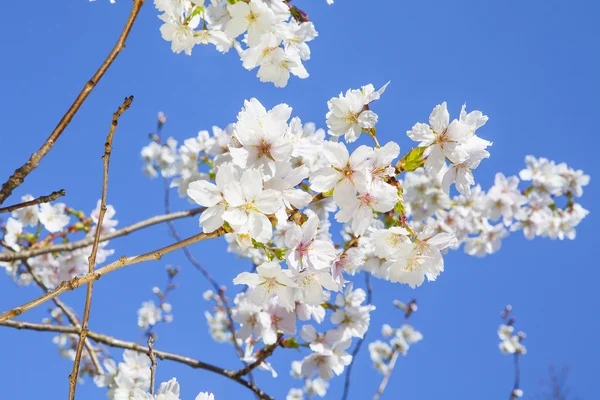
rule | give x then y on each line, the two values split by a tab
411	161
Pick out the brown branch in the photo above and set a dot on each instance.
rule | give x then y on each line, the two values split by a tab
65	247
21	173
70	316
152	358
66	310
113	342
386	377
92	258
42	199
124	261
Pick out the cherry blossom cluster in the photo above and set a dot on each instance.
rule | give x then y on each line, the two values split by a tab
480	220
151	314
399	340
270	183
43	225
130	380
271	35
510	343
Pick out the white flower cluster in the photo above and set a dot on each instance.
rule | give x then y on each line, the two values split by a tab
151	314
274	34
480	219
276	181
53	221
381	352
400	339
130	380
218	320
270	183
329	356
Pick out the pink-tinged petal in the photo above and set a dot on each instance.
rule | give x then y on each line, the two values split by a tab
421	133
439	118
336	154
293	236
235	216
455	152
251	183
324	179
204	193
435	159
309	229
260	227
344	193
362	219
233	194
268	201
247	278
360	156
211	219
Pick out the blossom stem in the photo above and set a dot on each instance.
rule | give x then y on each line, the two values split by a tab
220	290
360	341
386	377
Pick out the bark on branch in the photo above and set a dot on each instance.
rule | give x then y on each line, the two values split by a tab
92	258
42	199
162	355
66	247
124	261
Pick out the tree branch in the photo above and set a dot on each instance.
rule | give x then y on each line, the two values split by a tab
386	377
264	353
514	394
360	341
218	288
113	342
92	258
152	358
65	247
21	173
42	199
66	310
124	261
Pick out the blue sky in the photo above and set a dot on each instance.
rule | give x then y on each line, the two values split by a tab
530	66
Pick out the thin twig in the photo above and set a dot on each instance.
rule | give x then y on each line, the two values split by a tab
21	173
66	247
263	354
113	342
66	310
515	390
42	199
386	377
124	261
360	341
220	290
70	316
152	358
92	258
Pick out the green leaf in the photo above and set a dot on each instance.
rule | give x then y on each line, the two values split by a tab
411	161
